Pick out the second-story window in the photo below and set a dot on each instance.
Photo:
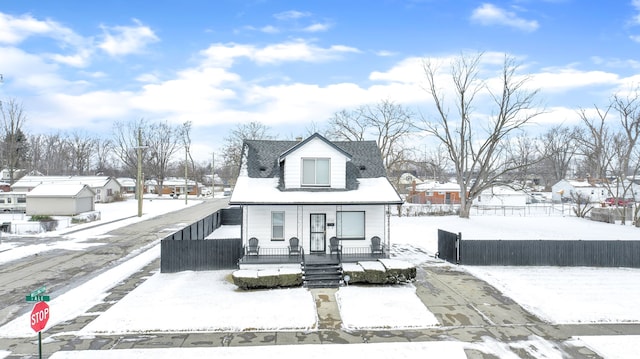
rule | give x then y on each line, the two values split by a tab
316	171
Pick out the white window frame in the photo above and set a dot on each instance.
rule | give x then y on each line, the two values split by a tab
315	180
350	217
274	226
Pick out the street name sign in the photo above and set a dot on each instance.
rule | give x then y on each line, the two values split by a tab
38	298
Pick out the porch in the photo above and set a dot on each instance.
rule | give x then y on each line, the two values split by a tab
281	256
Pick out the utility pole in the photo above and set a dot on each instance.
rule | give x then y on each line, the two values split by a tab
213	174
186	178
139	180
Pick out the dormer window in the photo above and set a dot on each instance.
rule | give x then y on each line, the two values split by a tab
316	171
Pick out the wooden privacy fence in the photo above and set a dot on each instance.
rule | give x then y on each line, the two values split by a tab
187	248
599	253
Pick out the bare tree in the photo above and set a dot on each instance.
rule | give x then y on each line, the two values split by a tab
103	155
15	142
125	144
593	140
81	149
389	123
477	146
560	146
232	151
434	163
613	148
163	142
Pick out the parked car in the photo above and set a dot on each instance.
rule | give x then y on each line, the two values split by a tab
620	202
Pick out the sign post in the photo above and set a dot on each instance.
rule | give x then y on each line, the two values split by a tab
39	315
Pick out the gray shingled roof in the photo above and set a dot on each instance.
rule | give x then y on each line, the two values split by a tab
366	160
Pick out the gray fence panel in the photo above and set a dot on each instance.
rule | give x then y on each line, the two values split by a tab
231	216
447	243
186	249
200	255
599	253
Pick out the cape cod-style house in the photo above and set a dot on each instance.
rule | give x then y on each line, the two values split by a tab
314	199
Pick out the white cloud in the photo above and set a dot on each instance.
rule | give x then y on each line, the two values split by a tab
489	14
317	27
636	5
15	29
297	50
125	40
269	29
564	79
291	15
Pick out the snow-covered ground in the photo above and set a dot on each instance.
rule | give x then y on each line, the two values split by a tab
559	295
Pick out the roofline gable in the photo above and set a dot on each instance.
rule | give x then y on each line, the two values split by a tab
307	140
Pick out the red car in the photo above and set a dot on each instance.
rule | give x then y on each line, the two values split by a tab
620	202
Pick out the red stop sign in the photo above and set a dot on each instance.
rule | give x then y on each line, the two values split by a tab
39	316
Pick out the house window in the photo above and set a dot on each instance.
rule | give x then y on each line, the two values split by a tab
350	225
109	192
277	226
316	171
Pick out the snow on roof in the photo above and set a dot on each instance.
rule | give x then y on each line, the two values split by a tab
437	186
91	181
265	191
58	190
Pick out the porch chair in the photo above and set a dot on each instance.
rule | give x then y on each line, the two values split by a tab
294	246
252	248
377	247
335	246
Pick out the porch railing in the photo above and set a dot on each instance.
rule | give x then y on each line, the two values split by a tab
272	256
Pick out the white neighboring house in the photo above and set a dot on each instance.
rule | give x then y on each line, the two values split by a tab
501	196
60	200
564	189
128	185
313	190
104	187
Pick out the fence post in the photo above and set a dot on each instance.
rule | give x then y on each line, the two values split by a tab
458	242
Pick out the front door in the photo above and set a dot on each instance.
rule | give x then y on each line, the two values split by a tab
318	232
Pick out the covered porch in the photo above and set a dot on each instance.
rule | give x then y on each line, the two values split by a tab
282	256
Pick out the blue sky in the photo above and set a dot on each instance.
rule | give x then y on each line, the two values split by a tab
81	65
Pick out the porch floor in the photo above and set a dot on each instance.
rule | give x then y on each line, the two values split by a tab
312	258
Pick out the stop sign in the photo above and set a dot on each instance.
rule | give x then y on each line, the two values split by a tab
39	316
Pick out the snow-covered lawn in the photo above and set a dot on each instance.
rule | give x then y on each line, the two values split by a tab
566	295
208	302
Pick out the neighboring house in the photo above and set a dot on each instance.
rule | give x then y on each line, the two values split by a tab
127	185
563	191
5	174
104	187
175	186
60	199
435	193
501	196
314	190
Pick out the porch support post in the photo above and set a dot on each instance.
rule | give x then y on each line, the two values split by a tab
387	210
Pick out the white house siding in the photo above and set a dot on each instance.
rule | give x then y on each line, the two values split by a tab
59	200
106	193
594	193
315	148
56	206
257	220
